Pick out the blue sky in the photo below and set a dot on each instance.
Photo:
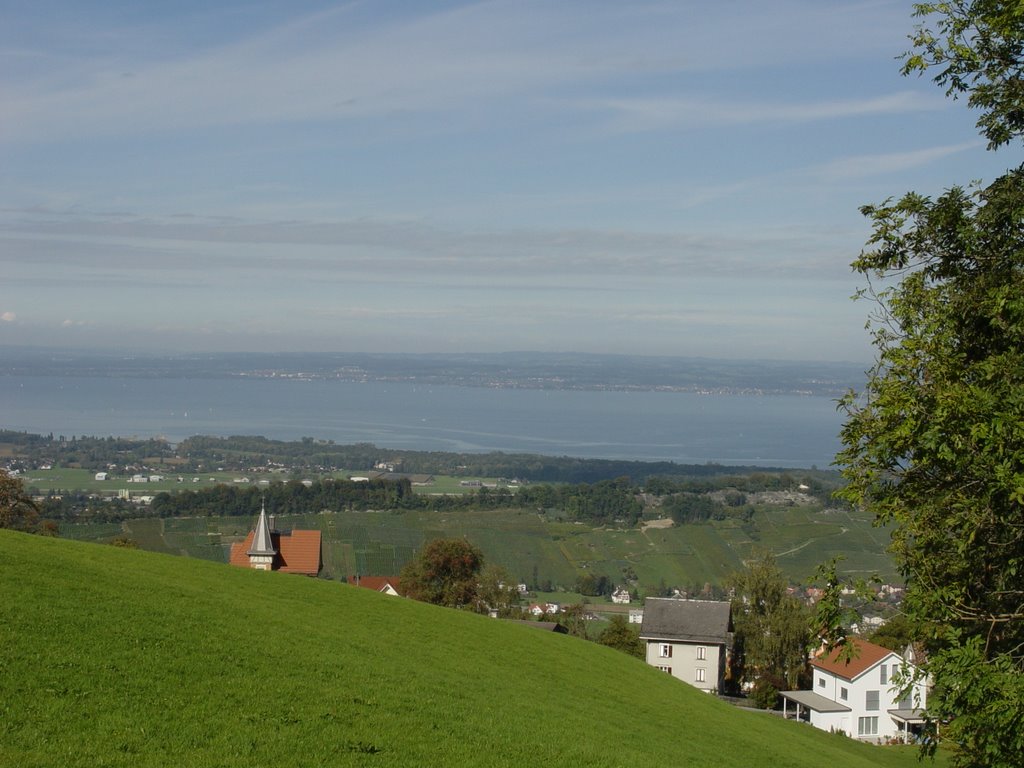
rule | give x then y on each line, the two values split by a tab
671	178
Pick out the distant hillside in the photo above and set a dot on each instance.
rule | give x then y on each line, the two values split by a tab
126	658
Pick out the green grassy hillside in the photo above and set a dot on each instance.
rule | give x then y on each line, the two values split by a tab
115	657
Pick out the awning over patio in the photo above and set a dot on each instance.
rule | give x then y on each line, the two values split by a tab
814	701
913	716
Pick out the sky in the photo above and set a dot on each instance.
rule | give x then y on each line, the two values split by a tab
661	178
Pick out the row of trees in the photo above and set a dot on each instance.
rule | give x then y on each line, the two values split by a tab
609	502
201	453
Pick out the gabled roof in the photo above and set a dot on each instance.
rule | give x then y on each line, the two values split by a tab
866	656
297	552
694	621
378	583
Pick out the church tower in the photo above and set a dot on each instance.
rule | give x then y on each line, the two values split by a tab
262	552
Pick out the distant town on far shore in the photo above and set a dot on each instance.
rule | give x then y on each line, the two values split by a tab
511	370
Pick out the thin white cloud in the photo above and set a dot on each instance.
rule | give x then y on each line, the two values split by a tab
628	115
337	65
874	165
111	248
8	317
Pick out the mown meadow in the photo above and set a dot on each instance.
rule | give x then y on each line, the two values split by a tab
117	657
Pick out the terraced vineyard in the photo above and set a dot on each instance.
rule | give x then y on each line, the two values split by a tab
380	543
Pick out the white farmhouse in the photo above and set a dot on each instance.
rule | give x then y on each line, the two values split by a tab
621	596
862	697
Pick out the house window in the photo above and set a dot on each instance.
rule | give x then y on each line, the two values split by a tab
666	651
867	726
871	704
702	653
664	669
698	675
843	694
821	682
883	674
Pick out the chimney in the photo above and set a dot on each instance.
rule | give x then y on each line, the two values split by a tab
273	524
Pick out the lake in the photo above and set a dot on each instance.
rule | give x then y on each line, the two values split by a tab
685	427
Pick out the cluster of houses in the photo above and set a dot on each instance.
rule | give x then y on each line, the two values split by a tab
865	693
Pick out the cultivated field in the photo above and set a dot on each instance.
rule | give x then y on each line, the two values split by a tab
380	543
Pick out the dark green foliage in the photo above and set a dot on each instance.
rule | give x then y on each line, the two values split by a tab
622	636
606	502
935	443
692	508
292	497
17	510
895	634
976	46
765	693
94	453
771	627
834	612
446	572
594	585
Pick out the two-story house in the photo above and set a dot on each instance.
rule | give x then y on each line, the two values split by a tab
864	696
688	639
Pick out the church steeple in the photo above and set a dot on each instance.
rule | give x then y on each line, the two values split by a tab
262	552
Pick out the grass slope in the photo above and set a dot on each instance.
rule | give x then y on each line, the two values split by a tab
116	657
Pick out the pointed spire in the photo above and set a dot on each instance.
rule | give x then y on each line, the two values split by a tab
262	544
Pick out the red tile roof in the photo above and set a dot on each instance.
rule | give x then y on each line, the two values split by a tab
378	583
297	552
866	655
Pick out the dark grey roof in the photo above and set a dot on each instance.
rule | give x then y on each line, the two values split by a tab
695	621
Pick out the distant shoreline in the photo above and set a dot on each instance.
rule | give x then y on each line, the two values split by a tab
507	371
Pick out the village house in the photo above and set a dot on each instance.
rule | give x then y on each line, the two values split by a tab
688	639
266	549
387	585
862	697
621	596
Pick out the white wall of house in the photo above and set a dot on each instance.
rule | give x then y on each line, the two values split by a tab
869	696
700	665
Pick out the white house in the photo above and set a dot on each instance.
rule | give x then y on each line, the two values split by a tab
688	639
861	697
621	596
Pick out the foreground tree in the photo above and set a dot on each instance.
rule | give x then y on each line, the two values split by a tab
935	443
445	573
771	630
17	510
